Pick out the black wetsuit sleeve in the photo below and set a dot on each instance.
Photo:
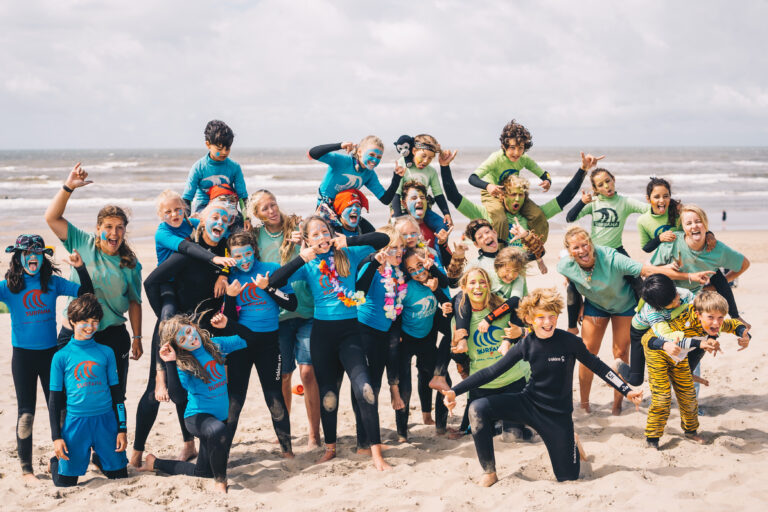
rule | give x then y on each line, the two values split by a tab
280	276
486	375
546	177
441	297
656	343
442	279
510	306
449	186
118	406
571	188
574	212
230	307
57	401
240	330
462	313
445	254
652	244
391	191
193	250
86	285
176	391
164	272
323	149
740	331
599	368
376	240
476	181
442	204
363	283
187	205
287	301
397	206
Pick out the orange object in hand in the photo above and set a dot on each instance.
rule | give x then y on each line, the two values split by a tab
298	389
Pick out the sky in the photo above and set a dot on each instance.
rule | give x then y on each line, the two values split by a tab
139	74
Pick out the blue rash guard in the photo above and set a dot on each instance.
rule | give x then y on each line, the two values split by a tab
210	397
342	175
168	238
371	313
33	313
258	311
419	307
207	173
85	370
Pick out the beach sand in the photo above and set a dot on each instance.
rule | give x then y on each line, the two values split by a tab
433	473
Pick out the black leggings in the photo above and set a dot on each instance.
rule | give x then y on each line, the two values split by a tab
335	347
263	352
513	387
71	481
723	287
146	411
636	357
27	366
425	351
214	450
555	429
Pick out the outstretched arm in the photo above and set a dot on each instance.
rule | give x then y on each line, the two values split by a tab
54	215
486	375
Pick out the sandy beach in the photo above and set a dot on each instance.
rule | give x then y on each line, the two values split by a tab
434	473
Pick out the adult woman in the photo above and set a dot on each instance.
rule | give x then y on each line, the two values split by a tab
598	274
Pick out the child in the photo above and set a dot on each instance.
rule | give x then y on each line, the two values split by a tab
214	168
655	226
417	168
348	207
508	161
546	403
30	289
84	382
195	365
705	317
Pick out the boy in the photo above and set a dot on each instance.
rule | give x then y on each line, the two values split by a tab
84	381
704	318
214	169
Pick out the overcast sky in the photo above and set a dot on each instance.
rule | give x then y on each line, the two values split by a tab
106	74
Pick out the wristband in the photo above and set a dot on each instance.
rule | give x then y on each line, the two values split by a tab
137	337
67	189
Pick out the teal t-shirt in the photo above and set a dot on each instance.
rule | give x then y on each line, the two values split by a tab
484	350
497	167
605	286
609	214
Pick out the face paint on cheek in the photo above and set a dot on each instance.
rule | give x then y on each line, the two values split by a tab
416	208
371	158
349	212
36	263
244	257
103	236
85	330
188	340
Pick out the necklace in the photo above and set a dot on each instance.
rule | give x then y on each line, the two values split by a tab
587	273
349	299
276	235
395	290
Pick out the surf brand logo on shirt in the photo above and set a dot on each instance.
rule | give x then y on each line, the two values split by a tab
427	307
605	218
325	284
352	182
661	229
216	180
33	302
556	359
508	172
84	370
213	371
488	341
249	295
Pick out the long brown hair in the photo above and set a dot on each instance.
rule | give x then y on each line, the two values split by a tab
15	274
340	256
127	256
494	300
184	359
288	224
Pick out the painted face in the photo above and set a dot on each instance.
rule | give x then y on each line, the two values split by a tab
477	289
694	227
85	329
508	273
543	322
370	157
514	200
581	250
217	224
111	233
217	152
245	256
416	269
319	237
422	157
268	212
188	338
31	262
394	254
659	199
487	239
604	184
711	321
350	216
514	150
171	212
410	233
416	202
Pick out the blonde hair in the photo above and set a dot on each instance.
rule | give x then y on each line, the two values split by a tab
709	301
575	231
167	195
425	138
340	256
406	219
548	299
511	255
184	359
692	208
288	223
368	140
393	234
514	182
493	300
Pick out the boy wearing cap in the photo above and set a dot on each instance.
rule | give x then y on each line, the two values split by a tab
348	206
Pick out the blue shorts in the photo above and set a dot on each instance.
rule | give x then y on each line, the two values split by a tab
294	343
81	433
590	309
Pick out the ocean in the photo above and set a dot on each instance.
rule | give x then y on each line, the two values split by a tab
734	180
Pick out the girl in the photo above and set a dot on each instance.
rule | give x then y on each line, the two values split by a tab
278	239
655	226
114	269
197	377
30	290
546	403
257	305
327	264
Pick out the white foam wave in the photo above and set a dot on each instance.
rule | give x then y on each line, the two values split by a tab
550	163
117	164
750	163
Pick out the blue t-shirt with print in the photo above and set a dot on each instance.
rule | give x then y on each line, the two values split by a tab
85	370
33	313
207	173
168	238
419	307
371	313
258	311
342	175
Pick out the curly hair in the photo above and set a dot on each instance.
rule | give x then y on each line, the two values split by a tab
127	256
184	359
513	182
547	299
515	132
15	273
474	226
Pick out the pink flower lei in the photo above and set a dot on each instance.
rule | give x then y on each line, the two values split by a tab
395	289
346	297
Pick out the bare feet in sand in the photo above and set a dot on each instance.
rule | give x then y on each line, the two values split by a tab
330	453
287	455
188	451
695	438
585	407
30	478
439	383
135	460
700	380
313	443
488	479
149	463
220	487
427	417
582	453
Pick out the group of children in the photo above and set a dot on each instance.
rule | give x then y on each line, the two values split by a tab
239	283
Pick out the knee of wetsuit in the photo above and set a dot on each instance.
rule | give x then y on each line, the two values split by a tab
330	401
276	408
117	473
24	425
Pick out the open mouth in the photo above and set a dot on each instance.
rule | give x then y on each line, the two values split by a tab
217	232
548	328
661	208
696	234
245	266
113	243
584	258
478	294
32	264
324	246
353	218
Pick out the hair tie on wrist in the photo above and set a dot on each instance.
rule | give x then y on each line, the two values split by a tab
67	189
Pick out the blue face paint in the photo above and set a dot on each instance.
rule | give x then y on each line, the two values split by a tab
27	258
103	236
371	158
218	153
244	256
85	329
348	212
188	338
217	224
416	207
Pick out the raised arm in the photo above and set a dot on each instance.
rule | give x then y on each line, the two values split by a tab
54	215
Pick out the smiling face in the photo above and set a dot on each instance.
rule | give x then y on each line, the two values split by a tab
659	199
477	289
318	237
514	150
543	322
422	157
410	233
369	156
508	273
217	151
514	200
486	239
188	338
581	250
604	184
171	211
268	212
111	233
217	224
415	268
711	321
394	253
31	262
416	202
350	216
245	256
694	227
85	329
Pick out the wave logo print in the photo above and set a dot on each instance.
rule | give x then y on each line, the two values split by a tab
214	372
33	299
506	173
84	370
487	339
249	294
324	282
352	182
216	180
427	306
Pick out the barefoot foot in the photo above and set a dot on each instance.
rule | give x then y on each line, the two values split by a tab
30	478
287	455
220	487
188	452
439	383
149	463
582	453
700	380
136	457
695	438
330	453
427	417
488	479
585	407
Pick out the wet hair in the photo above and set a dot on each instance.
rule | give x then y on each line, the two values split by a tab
84	307
219	134
15	274
288	223
127	256
692	208
242	238
674	205
513	132
339	256
548	299
184	359
494	301
710	302
511	255
474	226
597	171
426	139
658	291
